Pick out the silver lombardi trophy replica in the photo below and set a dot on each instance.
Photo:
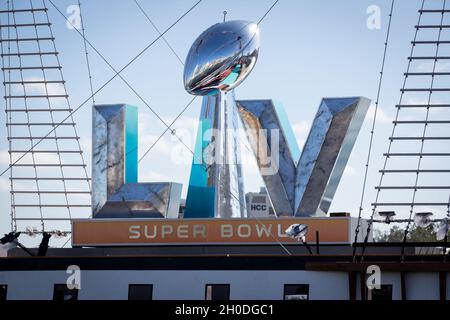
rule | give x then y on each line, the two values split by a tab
218	61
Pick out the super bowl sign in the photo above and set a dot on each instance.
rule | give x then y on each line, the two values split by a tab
144	232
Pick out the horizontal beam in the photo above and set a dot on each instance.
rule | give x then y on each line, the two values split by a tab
415	171
425	89
409	204
432	26
423	106
18	54
429	58
51	206
44	219
24	10
421	121
34	82
49	178
419	138
20	25
427	74
31	68
43	96
42	138
48	165
417	154
45	151
40	124
39	110
400	244
50	192
413	188
430	42
27	39
434	11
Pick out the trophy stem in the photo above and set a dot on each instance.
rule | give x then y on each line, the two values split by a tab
216	182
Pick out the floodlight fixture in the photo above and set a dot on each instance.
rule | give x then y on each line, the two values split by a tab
58	234
423	219
31	231
298	232
442	230
387	215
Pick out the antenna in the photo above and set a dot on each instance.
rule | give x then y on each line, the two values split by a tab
225	16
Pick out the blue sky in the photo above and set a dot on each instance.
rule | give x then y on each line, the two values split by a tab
309	50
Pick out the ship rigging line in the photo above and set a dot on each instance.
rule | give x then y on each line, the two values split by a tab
372	132
183	110
190	102
159	32
237	198
268	11
103	86
422	145
168	127
374	206
179	115
187	106
83	31
125	81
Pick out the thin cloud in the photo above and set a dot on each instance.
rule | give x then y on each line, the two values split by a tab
301	131
382	116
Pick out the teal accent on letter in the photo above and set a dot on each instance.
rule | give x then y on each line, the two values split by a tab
287	130
200	202
200	198
131	144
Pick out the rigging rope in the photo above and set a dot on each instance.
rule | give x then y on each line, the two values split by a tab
44	78
424	132
374	207
83	31
159	32
8	91
103	86
183	110
124	80
67	99
372	132
190	102
118	74
268	11
26	105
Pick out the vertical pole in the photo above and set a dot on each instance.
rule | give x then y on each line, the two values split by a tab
352	285
443	285
317	242
403	285
362	280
